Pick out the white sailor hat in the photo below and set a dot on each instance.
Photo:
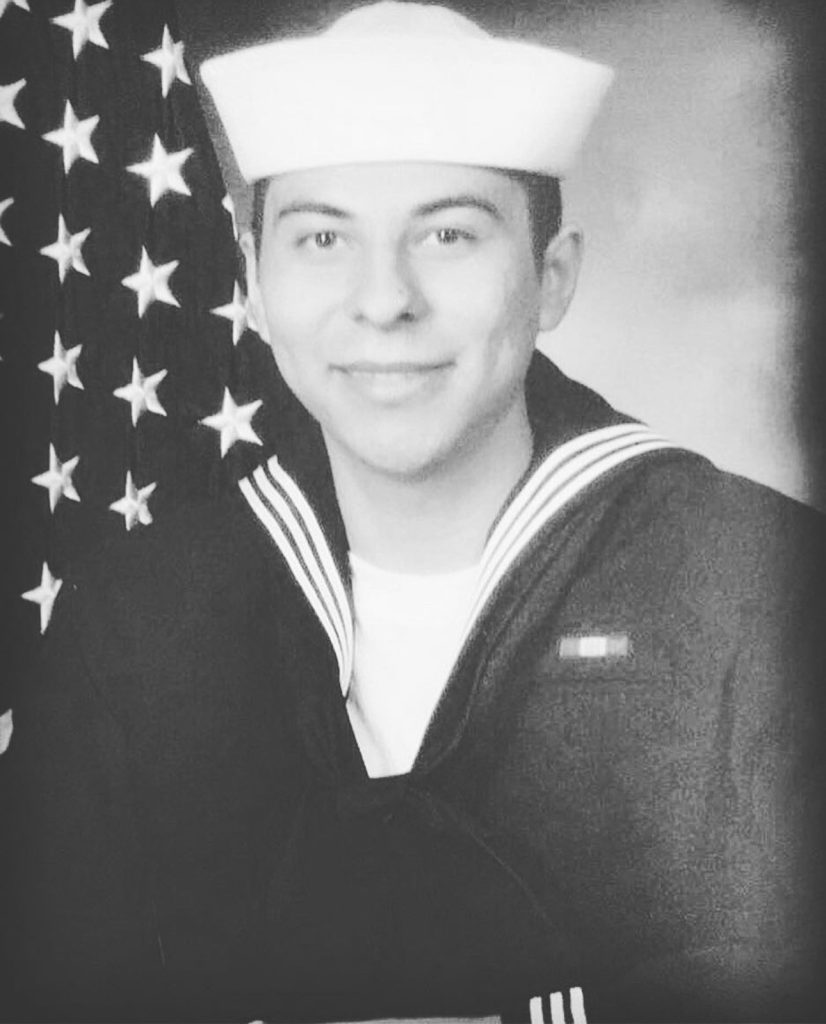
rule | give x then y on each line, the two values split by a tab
404	81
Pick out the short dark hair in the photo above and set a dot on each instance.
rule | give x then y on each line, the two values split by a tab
544	209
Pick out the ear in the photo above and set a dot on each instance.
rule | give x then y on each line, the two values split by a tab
256	306
560	272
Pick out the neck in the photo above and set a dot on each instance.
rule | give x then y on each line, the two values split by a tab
433	523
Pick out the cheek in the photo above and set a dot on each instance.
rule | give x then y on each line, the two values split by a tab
504	328
294	307
289	322
497	287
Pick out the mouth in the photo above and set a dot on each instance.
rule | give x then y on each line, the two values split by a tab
393	382
372	367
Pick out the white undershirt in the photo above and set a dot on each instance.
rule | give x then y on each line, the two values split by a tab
408	631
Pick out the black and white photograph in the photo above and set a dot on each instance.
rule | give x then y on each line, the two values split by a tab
414	466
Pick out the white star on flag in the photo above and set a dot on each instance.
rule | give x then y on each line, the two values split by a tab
140	392
66	251
233	422
44	595
236	312
8	111
132	506
5	4
62	367
152	283
58	478
4	205
6	721
163	171
229	206
170	59
84	24
75	137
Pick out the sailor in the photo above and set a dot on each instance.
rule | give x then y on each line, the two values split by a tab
479	698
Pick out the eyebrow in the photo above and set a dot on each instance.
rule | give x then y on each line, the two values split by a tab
451	202
467	200
304	206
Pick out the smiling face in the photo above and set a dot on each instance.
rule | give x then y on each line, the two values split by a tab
402	303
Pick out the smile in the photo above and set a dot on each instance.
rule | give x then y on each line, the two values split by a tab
366	366
392	381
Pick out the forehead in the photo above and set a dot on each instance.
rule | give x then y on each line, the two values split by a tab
397	189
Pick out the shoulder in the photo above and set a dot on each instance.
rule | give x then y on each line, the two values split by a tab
673	495
685	502
684	550
706	556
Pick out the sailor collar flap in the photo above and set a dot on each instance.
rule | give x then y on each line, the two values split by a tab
304	525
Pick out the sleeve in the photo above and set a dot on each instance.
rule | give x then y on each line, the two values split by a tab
757	909
77	924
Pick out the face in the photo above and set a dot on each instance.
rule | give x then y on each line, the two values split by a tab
402	303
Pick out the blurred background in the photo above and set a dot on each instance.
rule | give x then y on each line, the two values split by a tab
700	308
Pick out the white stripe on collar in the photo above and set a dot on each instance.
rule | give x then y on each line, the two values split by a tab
287	516
289	519
559	478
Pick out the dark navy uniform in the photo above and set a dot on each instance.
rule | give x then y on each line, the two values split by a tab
616	808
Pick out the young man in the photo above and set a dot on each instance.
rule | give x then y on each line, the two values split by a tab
479	699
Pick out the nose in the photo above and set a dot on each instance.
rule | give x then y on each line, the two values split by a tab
386	293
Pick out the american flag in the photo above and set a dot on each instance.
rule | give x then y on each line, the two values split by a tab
129	372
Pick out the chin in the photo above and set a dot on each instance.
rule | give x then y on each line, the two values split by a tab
402	467
399	461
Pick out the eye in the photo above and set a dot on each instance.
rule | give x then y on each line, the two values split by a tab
323	239
452	236
448	238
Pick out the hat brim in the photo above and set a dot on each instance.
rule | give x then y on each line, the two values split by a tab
323	101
